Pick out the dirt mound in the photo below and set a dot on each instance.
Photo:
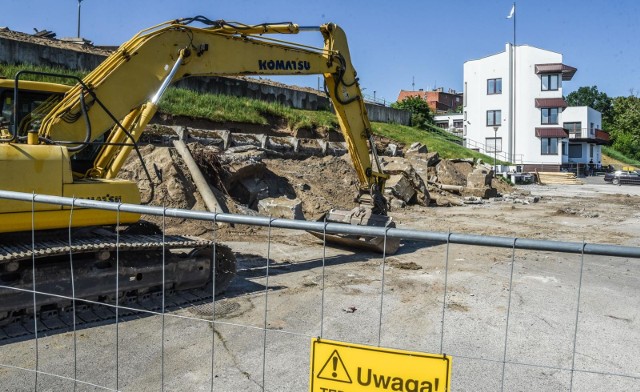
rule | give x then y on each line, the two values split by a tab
169	184
241	177
320	183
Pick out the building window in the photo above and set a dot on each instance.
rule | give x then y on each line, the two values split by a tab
549	115
457	124
442	124
494	117
549	146
591	151
565	148
575	150
574	128
464	95
494	86
550	82
493	144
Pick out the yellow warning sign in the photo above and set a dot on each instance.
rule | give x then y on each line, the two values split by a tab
346	367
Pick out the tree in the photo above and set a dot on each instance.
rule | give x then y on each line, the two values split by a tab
590	96
421	115
625	126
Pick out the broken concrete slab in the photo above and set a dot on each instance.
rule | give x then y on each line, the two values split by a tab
281	207
397	204
473	200
417	148
283	144
479	178
245	139
242	155
332	148
464	167
485	192
422	168
446	200
397	165
392	150
424	161
401	187
449	174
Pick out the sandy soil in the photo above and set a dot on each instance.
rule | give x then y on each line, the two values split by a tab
342	301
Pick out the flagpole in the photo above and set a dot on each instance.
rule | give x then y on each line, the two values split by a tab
513	151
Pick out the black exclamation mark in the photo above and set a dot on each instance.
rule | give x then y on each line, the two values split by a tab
335	367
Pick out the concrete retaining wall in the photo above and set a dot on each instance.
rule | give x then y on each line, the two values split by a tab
388	115
16	52
46	53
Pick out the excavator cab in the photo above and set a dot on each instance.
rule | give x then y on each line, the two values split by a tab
35	101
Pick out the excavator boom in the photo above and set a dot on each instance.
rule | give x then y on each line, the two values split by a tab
128	84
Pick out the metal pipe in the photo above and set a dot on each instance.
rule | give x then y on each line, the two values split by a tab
201	183
79	6
339	228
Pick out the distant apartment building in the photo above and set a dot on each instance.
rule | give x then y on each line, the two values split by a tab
451	122
438	100
513	107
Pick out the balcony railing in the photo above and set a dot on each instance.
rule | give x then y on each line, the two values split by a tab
588	133
602	135
488	150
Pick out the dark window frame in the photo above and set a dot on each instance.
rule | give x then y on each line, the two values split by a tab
575	150
496	118
492	88
551	146
548	78
495	146
548	111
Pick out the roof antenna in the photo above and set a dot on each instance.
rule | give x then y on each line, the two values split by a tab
413	83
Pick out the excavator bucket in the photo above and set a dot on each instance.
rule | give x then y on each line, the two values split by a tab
359	216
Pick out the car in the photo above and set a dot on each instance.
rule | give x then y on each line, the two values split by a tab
619	177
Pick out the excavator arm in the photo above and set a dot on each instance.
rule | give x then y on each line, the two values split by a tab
120	96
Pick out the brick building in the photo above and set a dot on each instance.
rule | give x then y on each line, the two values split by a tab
438	100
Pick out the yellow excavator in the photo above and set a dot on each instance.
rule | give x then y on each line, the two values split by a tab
72	141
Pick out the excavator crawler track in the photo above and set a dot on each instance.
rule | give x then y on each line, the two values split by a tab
146	266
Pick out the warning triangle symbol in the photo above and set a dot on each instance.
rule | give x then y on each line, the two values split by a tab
334	369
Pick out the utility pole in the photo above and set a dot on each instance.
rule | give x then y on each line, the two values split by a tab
79	6
495	150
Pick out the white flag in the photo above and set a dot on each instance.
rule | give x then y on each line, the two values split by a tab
513	10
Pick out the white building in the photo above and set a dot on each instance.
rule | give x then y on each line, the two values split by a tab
583	125
450	122
525	121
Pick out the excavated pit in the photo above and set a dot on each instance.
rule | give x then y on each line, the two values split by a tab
244	169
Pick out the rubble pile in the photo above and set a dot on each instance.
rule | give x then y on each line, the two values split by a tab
254	180
421	177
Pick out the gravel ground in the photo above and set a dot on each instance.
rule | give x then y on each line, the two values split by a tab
543	308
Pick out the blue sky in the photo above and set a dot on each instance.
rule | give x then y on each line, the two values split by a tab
393	43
